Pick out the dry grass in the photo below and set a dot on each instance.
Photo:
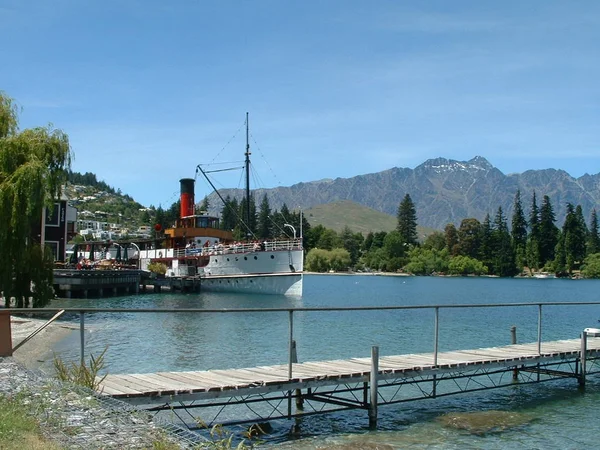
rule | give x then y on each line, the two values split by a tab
18	429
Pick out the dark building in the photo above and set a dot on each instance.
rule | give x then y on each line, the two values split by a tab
58	226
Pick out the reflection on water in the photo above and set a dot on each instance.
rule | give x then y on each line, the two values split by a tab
159	342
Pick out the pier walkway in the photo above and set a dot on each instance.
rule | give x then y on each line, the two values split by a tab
296	389
359	382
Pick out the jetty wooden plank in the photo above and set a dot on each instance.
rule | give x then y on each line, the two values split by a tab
315	373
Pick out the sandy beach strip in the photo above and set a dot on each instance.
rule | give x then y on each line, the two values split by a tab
40	348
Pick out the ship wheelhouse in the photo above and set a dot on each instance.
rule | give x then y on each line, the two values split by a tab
196	228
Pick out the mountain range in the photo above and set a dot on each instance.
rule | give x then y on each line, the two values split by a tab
443	191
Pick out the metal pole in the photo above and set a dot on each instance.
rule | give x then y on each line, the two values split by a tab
539	342
374	384
247	154
82	337
436	336
513	341
290	360
299	399
582	359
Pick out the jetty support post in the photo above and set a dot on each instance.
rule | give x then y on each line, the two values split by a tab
299	399
374	382
290	359
582	358
5	334
82	337
513	341
436	340
539	340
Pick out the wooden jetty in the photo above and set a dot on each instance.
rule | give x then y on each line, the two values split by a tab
81	283
263	393
358	382
106	282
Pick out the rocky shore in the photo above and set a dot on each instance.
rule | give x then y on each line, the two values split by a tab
72	416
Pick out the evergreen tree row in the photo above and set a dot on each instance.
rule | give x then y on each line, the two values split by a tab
495	246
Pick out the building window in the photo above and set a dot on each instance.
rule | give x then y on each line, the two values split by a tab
53	215
53	247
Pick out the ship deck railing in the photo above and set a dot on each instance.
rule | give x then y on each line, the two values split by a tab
241	247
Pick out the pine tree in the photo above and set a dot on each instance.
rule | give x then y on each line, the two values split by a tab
407	221
451	236
548	234
368	241
204	205
593	245
469	237
486	246
567	240
247	227
33	168
574	235
519	230
532	251
583	234
265	230
352	243
504	256
229	214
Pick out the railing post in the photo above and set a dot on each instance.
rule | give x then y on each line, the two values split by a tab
539	340
299	399
582	358
6	348
290	359
513	341
436	335
374	381
82	337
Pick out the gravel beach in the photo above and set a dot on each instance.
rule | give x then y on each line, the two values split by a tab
72	416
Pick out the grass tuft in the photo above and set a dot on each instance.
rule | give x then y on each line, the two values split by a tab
81	374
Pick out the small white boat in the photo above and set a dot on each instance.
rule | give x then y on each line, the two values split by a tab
543	275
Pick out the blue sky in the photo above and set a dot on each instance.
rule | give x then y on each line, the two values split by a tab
146	90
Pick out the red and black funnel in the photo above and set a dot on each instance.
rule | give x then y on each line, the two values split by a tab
187	197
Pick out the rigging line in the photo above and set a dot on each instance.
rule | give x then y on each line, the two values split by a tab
228	142
265	159
222	163
226	204
223	170
296	197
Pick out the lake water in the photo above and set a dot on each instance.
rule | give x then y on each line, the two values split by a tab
548	415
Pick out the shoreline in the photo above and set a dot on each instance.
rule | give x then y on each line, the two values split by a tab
40	349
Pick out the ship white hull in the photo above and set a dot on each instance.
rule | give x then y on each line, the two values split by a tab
262	272
280	283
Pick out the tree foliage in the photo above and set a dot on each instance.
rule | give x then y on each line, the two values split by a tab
33	168
593	244
407	221
591	267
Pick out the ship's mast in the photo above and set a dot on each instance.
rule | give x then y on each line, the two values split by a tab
247	173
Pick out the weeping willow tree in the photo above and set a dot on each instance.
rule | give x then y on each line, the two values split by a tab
33	168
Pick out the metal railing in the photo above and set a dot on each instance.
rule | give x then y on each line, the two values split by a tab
291	311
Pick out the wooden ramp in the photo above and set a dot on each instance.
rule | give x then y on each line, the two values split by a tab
211	384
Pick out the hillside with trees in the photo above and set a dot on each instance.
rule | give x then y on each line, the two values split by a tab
497	246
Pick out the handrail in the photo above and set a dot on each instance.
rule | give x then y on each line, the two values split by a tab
291	311
300	309
56	316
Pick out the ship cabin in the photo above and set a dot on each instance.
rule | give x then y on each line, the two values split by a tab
197	229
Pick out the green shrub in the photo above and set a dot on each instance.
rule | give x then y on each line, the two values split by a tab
80	373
